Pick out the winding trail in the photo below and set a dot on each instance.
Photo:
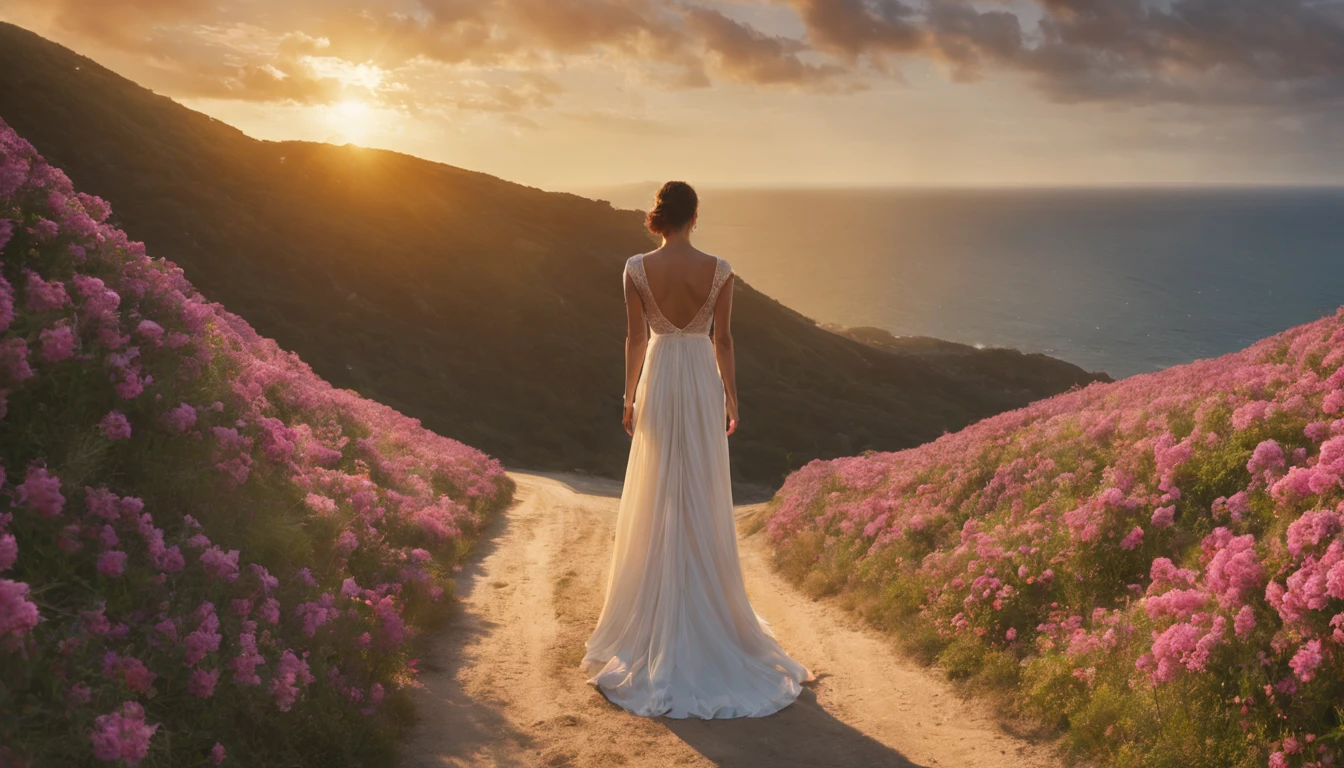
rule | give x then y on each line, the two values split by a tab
501	685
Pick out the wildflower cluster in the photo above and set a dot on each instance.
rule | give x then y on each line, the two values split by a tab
1157	564
207	553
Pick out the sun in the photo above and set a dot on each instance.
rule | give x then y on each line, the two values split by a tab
353	119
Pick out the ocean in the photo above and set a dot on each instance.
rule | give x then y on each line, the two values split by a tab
1124	281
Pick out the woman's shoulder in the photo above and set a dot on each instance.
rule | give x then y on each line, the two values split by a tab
723	269
720	263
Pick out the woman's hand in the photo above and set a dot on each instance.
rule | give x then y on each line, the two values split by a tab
732	417
628	419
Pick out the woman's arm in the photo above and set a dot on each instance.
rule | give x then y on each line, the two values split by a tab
636	342
723	351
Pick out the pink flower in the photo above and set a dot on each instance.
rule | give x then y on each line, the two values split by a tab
1306	660
320	504
347	542
1268	457
6	290
78	695
17	614
291	672
41	492
270	611
168	629
44	296
202	683
349	588
44	230
1133	540
1164	573
129	669
1244	622
1164	517
123	735
112	563
171	561
1311	529
245	665
9	551
1184	645
1233	572
217	754
150	330
1333	402
316	613
392	624
95	622
58	343
181	418
114	425
1011	634
205	639
220	564
102	503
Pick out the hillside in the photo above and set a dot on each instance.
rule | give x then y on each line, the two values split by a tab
1154	567
489	310
206	551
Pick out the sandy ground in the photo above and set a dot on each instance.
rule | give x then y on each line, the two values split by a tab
501	686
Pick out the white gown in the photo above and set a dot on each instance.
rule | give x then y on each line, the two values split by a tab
677	636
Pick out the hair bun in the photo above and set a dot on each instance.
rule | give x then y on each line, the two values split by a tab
673	208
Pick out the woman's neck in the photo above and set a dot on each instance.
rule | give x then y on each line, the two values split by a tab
678	239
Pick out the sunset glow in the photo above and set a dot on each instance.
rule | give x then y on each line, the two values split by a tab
351	119
854	92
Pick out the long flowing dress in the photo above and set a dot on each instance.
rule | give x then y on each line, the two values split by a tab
677	636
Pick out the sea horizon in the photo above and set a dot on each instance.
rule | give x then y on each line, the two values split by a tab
1123	279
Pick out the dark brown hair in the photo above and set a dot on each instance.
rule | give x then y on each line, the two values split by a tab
673	208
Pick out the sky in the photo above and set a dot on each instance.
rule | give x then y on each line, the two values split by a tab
579	94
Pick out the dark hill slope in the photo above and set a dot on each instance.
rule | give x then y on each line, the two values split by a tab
490	310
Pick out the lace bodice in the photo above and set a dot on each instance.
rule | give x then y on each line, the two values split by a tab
660	325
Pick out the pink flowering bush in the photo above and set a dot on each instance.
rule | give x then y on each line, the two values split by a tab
207	554
1154	566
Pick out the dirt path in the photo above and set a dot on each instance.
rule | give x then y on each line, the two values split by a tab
502	685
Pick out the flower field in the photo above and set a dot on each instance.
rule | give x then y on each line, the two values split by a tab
207	554
1153	567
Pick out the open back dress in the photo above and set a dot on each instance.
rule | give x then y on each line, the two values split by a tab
677	636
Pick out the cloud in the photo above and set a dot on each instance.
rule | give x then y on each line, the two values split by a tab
1246	54
1191	51
746	54
856	27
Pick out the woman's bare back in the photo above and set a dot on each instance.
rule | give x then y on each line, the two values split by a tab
680	279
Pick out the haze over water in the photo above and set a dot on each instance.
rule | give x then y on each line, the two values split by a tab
1124	281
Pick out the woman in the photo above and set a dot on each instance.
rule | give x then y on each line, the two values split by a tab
677	635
